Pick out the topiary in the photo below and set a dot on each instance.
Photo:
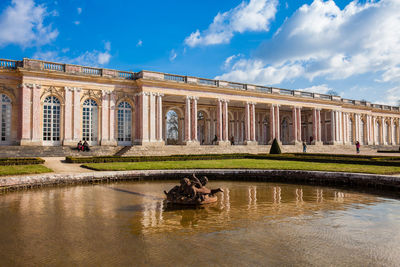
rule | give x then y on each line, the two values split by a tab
275	149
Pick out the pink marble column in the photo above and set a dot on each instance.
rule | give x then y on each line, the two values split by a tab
138	117
392	132
188	120
319	137
77	115
298	124
272	123
144	112
226	120
194	119
247	126
294	124
36	113
278	124
152	117
26	112
333	127
314	125
253	122
159	117
68	91
104	117
112	102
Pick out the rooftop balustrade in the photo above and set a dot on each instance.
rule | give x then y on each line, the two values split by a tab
100	72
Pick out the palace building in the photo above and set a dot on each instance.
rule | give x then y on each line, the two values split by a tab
52	104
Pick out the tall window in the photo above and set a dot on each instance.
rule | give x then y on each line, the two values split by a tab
89	121
124	122
51	119
5	118
396	134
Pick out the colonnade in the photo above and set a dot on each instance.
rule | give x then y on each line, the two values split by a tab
226	121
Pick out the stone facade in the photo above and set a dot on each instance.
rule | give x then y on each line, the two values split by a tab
52	104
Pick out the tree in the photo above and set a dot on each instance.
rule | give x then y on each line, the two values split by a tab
172	126
332	92
275	149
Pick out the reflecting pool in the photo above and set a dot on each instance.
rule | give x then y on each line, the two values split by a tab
254	223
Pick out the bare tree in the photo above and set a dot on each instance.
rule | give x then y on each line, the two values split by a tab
172	126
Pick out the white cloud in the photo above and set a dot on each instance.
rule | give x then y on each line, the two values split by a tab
321	40
392	96
88	58
22	23
321	89
77	22
139	43
79	10
172	55
253	16
229	60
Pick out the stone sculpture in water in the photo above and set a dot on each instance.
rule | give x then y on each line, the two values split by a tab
192	191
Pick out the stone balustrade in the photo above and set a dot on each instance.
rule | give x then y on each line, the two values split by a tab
34	64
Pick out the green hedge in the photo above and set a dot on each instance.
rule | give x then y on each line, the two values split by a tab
20	161
106	159
345	159
322	158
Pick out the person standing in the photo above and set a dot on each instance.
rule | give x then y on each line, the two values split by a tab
358	147
304	147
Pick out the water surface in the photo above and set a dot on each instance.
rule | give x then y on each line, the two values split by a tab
254	223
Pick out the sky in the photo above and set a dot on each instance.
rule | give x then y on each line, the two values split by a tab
349	47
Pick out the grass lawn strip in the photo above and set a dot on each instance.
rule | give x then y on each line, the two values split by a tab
243	164
23	169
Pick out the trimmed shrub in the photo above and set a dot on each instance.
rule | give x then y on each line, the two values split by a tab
20	161
275	149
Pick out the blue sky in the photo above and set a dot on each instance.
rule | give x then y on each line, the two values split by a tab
351	47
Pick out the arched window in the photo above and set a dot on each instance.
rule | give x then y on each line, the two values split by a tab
124	123
5	118
285	131
51	119
90	121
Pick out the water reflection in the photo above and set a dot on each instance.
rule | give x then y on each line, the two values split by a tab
131	224
243	202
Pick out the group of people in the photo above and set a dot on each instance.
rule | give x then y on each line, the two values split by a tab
214	141
192	188
83	146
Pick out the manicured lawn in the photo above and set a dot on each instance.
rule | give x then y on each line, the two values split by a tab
242	164
23	169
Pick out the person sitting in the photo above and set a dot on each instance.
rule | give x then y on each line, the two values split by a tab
86	146
79	146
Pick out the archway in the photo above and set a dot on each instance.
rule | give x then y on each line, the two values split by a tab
172	127
285	131
51	120
201	127
377	133
386	133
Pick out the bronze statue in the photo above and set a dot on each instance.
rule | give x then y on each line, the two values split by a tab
192	191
